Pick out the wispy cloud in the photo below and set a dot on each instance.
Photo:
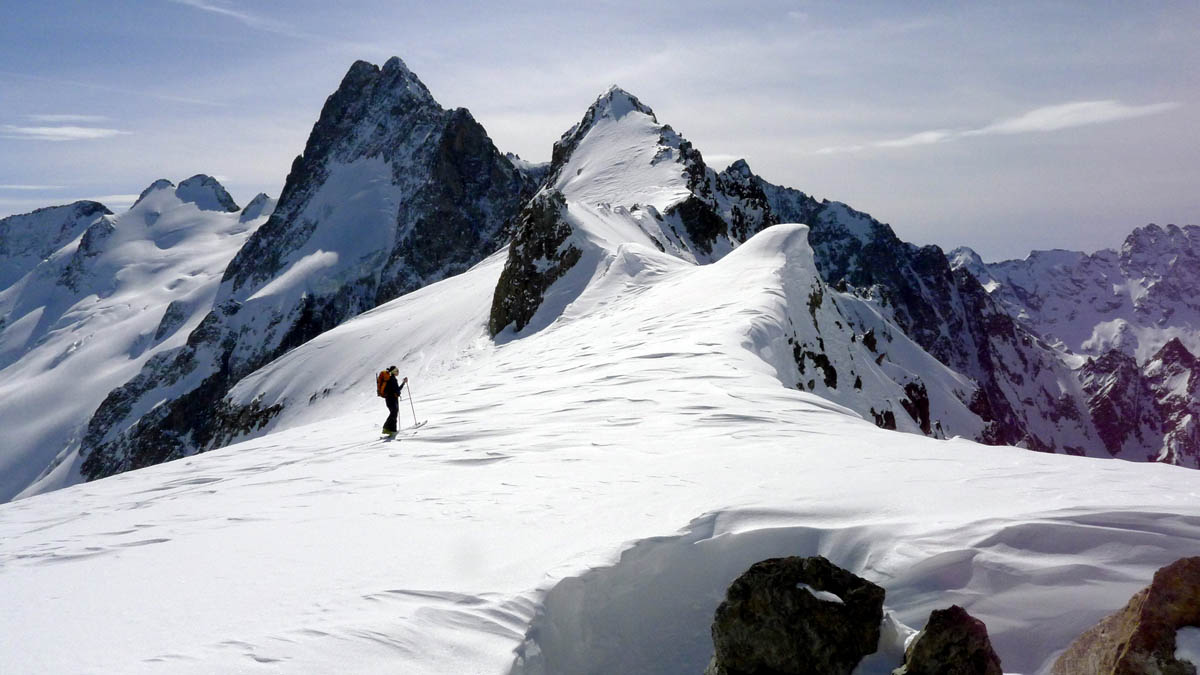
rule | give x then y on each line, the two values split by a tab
252	20
64	133
31	187
1068	115
270	25
1039	120
60	119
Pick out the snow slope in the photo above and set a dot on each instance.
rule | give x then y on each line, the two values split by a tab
577	503
88	317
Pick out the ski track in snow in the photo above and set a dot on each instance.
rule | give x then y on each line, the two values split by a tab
578	503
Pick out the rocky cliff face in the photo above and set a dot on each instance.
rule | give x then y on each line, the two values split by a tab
1130	311
392	192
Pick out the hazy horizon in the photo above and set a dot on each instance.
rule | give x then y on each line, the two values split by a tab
1028	126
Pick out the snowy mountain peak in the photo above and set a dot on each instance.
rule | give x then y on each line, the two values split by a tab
160	184
617	103
964	256
619	155
206	193
261	205
29	238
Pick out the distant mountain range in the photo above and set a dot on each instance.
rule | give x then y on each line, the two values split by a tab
161	321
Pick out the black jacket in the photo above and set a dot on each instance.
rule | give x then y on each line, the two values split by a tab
392	388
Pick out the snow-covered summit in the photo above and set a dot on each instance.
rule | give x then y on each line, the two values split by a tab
261	205
28	239
157	185
620	155
87	316
204	191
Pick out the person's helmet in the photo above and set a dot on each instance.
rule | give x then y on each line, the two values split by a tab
393	370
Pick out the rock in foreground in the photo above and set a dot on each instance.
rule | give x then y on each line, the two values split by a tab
1141	637
796	615
952	643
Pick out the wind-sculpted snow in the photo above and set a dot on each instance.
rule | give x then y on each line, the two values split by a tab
122	293
392	192
577	495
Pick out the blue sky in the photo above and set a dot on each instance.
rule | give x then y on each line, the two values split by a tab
1004	126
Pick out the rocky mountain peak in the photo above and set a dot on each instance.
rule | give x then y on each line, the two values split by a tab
206	193
739	168
1174	353
373	112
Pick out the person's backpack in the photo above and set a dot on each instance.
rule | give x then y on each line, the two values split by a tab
381	381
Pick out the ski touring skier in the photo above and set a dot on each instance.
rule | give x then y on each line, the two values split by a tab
389	389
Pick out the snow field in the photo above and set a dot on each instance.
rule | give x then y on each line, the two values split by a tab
578	503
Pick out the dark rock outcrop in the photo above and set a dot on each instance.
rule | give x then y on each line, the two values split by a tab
539	255
1140	639
952	643
796	615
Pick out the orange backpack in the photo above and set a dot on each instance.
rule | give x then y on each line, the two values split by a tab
381	382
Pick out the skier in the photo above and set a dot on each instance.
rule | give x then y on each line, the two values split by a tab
390	390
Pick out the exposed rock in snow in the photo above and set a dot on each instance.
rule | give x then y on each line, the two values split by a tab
1133	302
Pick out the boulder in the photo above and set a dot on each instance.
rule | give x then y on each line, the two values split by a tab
952	643
796	615
1141	637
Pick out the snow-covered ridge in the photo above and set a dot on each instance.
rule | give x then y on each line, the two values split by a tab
205	192
580	498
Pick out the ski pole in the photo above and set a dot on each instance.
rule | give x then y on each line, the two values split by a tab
410	405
